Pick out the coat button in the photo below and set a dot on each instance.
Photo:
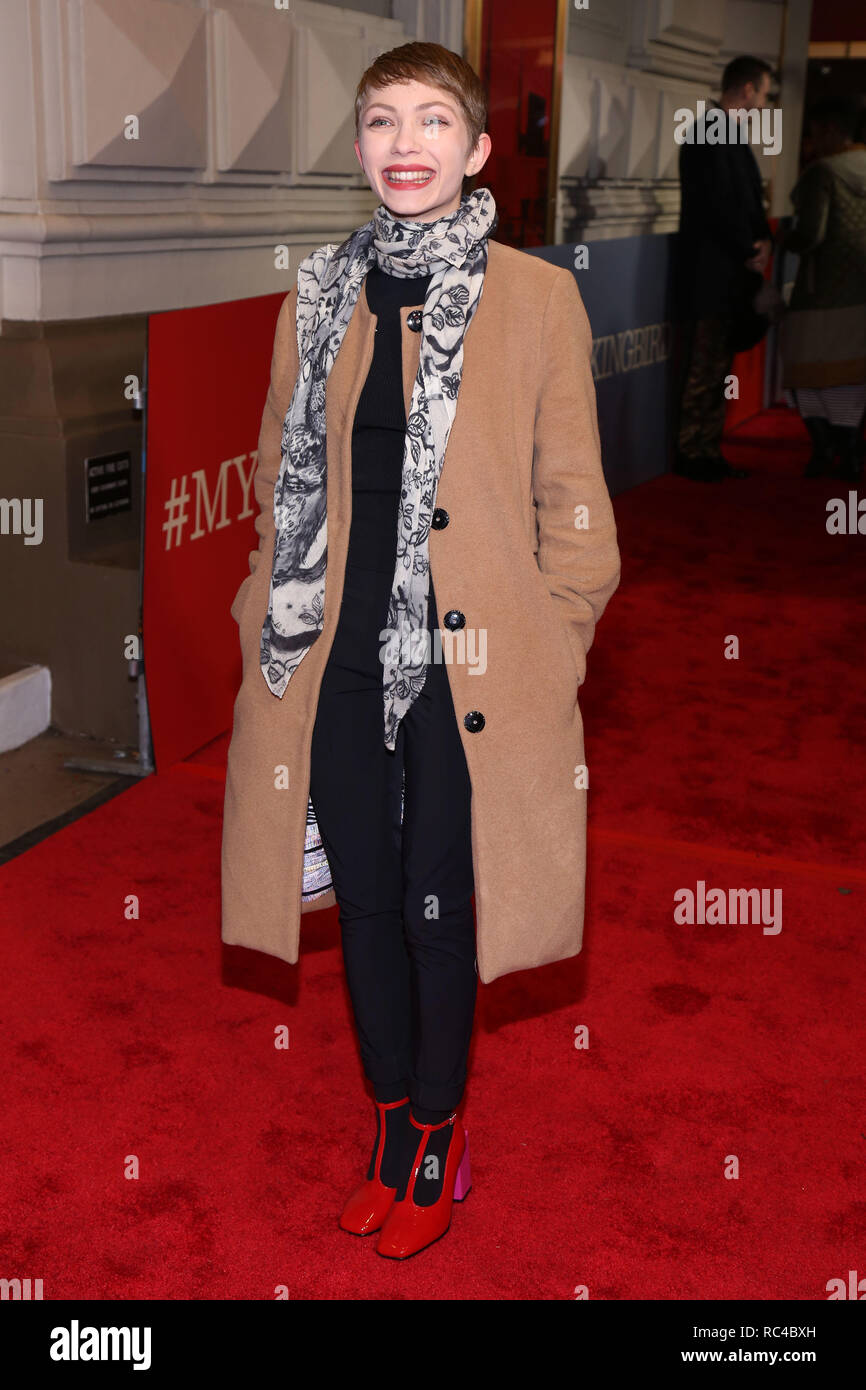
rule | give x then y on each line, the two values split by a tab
454	619
414	320
440	519
474	721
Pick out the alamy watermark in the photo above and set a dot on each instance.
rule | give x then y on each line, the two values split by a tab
737	906
465	647
22	516
758	126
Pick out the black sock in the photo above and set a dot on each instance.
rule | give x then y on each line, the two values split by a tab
431	1174
396	1125
430	1117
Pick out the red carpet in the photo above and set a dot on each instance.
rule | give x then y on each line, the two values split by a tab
602	1167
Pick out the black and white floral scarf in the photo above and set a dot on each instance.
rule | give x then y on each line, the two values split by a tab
453	250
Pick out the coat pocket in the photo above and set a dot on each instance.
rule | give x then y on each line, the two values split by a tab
572	661
578	662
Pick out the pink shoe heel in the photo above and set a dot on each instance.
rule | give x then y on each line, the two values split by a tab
464	1176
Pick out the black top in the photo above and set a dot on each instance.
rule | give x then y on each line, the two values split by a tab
721	215
379	430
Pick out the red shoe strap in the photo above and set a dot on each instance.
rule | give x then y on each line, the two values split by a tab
430	1128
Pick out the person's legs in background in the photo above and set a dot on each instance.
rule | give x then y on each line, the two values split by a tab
833	415
813	412
707	361
845	407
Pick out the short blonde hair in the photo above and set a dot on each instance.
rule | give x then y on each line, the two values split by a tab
437	67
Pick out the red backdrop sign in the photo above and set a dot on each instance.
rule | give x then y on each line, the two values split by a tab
207	379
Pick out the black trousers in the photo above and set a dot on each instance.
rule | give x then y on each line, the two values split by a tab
403	891
707	355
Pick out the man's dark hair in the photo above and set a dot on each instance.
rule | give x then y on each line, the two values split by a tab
742	70
841	113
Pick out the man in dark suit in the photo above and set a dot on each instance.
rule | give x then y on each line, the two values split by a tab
724	245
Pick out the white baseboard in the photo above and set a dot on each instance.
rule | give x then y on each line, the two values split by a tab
25	706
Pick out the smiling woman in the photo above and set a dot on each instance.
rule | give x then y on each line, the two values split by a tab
432	418
419	136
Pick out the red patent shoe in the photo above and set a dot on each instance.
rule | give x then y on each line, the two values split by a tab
368	1206
409	1228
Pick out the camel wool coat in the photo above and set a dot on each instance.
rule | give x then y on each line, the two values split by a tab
528	555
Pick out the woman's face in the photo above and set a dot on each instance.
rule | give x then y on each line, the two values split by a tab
413	146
